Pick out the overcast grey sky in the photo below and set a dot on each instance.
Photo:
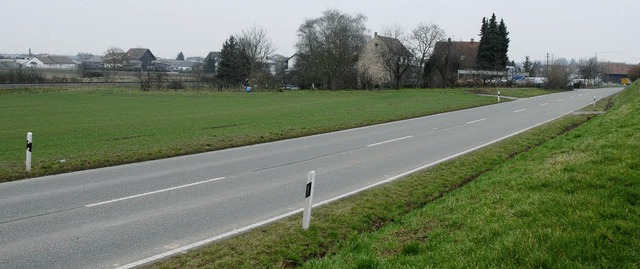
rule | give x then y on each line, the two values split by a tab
564	28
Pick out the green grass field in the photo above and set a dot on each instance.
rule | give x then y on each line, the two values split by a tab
81	128
552	197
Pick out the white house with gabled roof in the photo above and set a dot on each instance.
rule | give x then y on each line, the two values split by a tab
51	62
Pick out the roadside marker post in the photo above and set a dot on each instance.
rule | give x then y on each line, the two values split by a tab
594	102
29	149
498	96
306	216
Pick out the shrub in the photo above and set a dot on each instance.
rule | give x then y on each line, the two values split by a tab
175	84
21	76
558	77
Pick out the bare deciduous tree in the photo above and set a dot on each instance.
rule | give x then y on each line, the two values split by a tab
396	58
422	41
115	57
255	45
590	69
328	49
83	56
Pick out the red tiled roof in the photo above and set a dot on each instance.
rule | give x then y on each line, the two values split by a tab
617	68
468	51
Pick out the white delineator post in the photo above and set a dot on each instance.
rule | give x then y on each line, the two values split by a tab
29	148
306	215
594	102
498	96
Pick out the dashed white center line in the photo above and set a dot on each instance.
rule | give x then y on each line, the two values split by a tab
389	141
154	192
471	122
519	110
544	104
573	97
560	100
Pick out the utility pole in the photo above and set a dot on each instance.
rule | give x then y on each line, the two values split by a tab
546	73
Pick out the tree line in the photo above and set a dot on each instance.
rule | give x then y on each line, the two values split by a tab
327	52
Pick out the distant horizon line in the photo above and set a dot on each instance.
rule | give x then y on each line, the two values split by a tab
632	61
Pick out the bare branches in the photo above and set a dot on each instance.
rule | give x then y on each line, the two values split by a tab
590	69
115	57
395	57
395	31
422	41
328	48
255	45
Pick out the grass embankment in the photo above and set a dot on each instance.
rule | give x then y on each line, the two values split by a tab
81	128
397	224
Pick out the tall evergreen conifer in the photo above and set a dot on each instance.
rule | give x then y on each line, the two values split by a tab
494	44
503	39
230	68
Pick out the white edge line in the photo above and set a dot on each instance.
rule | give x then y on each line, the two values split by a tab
291	213
389	141
476	121
519	110
544	104
209	240
153	192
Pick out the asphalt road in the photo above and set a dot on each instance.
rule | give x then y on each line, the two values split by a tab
127	215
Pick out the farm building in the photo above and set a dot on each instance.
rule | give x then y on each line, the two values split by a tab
373	69
452	61
141	57
615	72
177	65
51	62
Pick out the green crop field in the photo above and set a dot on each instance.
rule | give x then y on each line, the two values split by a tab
81	128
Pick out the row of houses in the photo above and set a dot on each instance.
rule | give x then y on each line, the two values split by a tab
465	53
136	58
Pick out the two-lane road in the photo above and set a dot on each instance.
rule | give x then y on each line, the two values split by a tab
130	214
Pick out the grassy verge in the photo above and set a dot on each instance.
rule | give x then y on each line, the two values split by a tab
76	129
343	228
